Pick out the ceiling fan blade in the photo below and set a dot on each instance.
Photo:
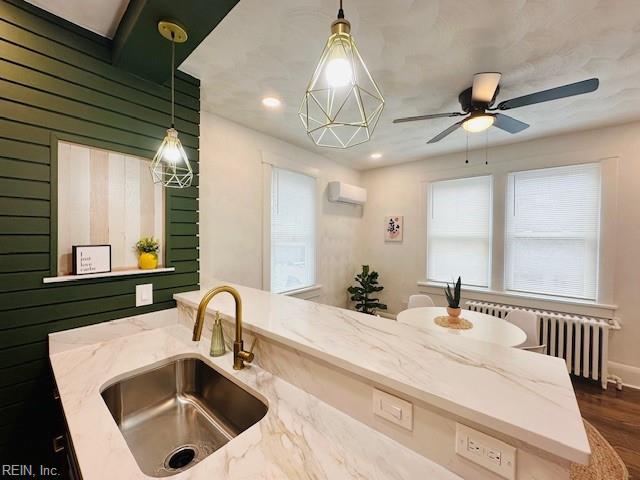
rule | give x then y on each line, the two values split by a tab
570	90
484	86
509	124
427	117
446	132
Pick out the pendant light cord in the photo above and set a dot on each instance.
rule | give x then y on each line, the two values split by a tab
340	12
173	61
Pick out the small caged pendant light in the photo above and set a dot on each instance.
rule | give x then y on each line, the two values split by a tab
170	166
342	104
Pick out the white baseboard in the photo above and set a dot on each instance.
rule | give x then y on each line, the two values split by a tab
630	375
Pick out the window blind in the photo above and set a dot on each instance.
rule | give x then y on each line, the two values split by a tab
293	218
552	231
459	231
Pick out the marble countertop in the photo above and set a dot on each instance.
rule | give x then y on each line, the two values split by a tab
300	437
521	394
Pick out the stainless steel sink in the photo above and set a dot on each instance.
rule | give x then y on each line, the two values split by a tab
177	414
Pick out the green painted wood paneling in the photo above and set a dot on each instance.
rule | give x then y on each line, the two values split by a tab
34	79
89	114
22	150
26	207
31	225
51	295
57	82
24	188
24	133
25	262
24	170
34	333
78	76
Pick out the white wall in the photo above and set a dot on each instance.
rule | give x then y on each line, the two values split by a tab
401	190
232	202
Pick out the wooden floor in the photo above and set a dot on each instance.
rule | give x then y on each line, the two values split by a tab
617	416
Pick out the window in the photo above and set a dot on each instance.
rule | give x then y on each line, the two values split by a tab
293	218
552	231
459	231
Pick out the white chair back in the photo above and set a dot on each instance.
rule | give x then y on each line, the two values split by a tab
537	348
527	321
416	301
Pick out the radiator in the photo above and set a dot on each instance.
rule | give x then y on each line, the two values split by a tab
582	342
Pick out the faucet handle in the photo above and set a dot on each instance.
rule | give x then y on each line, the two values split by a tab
253	344
243	355
248	356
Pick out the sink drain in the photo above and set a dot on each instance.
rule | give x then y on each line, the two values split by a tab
180	457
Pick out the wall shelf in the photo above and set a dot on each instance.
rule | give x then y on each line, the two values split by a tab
115	273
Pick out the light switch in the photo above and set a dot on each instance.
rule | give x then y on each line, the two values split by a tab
392	408
144	294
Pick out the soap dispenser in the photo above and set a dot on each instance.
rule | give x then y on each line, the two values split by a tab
217	338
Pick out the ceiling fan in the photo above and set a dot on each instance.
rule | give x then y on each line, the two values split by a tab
477	105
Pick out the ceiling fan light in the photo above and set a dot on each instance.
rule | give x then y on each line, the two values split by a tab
478	123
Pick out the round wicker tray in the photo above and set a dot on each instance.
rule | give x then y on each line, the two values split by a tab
454	323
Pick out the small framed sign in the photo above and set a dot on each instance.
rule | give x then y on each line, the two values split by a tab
91	259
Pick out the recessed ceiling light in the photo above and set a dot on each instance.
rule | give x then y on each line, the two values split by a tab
375	156
271	102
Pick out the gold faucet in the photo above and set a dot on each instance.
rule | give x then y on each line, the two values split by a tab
239	354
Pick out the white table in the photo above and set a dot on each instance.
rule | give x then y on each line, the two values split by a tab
485	327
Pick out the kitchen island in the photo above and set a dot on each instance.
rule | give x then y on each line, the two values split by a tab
315	365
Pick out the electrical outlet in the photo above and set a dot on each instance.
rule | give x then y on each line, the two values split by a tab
473	446
144	294
489	452
494	455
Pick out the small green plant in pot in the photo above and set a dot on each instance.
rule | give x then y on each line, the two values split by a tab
453	299
367	285
147	248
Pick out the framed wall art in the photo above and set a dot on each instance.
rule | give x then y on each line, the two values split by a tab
393	228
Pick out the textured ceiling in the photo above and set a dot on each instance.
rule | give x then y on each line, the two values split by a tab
99	16
423	53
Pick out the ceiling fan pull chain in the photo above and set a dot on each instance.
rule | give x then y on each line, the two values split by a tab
466	152
486	149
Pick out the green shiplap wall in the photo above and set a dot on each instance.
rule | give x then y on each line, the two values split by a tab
56	81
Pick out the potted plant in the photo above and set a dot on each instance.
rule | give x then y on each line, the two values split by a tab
147	248
361	293
453	299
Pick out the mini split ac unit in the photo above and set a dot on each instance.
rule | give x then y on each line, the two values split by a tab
345	193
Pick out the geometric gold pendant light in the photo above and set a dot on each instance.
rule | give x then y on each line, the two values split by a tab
170	166
342	103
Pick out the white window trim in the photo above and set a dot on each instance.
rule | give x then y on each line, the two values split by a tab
604	304
305	293
526	294
269	161
427	192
